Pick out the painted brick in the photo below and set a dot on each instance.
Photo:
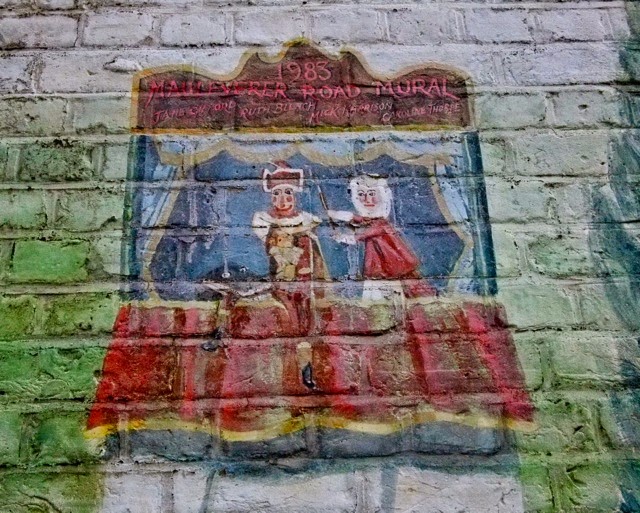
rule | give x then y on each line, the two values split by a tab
425	24
193	30
49	262
276	495
560	256
497	25
16	73
22	210
115	162
20	316
80	313
118	29
530	355
595	309
101	115
564	426
81	211
579	153
536	306
528	200
55	162
33	117
571	25
48	374
360	25
267	28
51	439
38	32
133	492
585	109
510	111
108	251
56	4
10	432
536	486
597	365
586	63
587	485
61	490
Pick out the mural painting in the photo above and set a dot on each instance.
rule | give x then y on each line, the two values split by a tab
310	270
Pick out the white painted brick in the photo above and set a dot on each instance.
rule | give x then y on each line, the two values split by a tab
537	305
422	25
118	29
131	492
193	30
269	27
100	114
349	26
619	22
507	251
475	60
586	108
421	491
504	25
518	201
33	117
279	494
15	76
565	154
571	25
89	73
115	162
38	32
510	111
494	155
562	63
56	4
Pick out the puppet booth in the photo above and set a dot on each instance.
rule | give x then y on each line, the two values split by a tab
309	267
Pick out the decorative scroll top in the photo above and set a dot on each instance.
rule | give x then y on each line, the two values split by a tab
303	88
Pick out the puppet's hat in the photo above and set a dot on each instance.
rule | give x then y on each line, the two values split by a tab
282	176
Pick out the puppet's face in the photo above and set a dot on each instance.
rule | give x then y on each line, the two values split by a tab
370	201
283	199
369	198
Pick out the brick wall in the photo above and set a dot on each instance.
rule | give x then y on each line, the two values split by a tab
555	106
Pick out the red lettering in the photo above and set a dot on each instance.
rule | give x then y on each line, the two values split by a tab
253	89
280	90
433	86
155	88
380	88
419	85
447	93
307	91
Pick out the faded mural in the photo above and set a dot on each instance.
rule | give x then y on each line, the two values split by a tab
615	249
301	283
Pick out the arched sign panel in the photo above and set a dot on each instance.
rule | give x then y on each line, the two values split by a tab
309	267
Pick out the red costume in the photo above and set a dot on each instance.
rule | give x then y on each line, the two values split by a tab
386	254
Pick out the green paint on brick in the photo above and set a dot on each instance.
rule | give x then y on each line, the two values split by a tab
536	487
19	316
56	162
10	429
564	426
50	262
86	313
56	439
50	492
90	210
587	486
49	373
